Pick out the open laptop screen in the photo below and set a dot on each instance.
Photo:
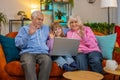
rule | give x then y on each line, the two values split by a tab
65	46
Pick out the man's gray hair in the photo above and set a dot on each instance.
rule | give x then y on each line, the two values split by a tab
36	13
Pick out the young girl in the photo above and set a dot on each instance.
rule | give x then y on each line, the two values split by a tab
65	62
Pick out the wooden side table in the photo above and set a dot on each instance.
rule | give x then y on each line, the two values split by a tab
83	75
114	72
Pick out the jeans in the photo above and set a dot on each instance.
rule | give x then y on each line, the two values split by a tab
92	59
28	63
61	60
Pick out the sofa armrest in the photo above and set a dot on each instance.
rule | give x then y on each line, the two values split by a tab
3	74
2	58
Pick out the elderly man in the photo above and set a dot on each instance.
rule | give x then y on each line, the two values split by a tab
31	39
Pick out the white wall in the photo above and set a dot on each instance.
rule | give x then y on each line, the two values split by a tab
118	12
92	12
87	12
10	9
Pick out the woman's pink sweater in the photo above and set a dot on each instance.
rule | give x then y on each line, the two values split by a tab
88	43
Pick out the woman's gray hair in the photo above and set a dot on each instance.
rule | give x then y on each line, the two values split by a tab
36	13
74	18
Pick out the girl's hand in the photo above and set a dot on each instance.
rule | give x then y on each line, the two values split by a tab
51	35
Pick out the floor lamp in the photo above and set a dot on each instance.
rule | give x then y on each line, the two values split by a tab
108	4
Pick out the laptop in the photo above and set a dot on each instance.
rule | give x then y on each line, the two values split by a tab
65	46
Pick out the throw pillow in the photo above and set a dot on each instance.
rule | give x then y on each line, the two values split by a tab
9	48
106	44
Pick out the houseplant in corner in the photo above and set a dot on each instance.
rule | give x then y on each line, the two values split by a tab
71	2
3	20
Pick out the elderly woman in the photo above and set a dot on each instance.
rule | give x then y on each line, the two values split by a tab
89	53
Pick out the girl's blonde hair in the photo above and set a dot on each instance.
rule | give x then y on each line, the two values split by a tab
55	25
76	18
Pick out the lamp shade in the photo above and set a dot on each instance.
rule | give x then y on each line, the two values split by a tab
108	3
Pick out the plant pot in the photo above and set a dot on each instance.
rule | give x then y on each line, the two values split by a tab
59	17
46	7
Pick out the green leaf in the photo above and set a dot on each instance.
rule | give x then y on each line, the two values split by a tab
101	27
3	18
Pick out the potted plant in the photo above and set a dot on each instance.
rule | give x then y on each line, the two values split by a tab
101	27
3	20
22	15
71	3
59	14
46	3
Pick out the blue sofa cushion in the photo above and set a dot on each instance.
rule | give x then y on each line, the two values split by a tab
106	44
9	48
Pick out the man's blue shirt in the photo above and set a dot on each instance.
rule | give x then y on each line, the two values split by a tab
35	43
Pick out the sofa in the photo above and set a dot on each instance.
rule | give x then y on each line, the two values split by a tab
13	70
